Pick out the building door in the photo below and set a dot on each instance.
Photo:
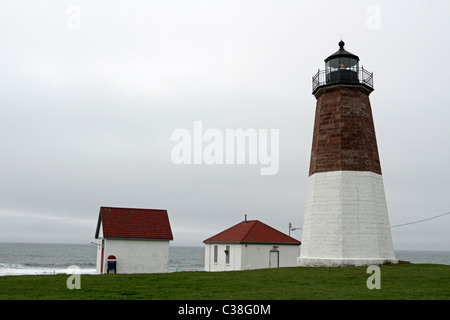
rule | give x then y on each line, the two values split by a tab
274	258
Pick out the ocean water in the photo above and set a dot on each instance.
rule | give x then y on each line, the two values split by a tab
38	259
34	259
433	257
186	259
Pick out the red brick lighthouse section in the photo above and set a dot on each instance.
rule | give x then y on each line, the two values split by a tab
346	220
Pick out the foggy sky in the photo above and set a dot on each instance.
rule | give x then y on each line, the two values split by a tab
91	92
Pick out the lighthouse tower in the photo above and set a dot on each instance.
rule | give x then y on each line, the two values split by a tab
346	220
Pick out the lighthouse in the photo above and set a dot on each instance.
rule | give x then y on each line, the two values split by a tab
346	221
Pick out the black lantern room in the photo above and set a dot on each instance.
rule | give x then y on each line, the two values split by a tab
342	67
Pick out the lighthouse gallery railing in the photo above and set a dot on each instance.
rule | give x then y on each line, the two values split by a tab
322	78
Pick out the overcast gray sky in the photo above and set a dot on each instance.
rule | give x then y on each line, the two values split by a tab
91	92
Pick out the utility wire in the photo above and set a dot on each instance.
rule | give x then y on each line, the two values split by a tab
405	224
396	226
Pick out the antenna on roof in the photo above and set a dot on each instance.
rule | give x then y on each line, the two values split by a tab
245	218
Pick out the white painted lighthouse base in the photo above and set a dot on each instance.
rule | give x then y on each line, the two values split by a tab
346	221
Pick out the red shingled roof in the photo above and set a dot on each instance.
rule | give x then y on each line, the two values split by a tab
134	223
252	231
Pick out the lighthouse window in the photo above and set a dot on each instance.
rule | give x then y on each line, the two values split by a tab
344	63
227	255
328	67
333	65
353	65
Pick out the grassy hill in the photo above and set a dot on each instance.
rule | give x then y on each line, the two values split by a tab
404	281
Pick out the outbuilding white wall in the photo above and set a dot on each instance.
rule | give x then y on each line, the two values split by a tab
221	265
135	255
249	256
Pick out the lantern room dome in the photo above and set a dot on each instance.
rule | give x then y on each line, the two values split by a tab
342	53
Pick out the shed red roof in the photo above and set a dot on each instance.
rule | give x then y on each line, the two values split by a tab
134	223
252	231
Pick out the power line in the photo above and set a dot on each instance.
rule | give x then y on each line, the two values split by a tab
406	224
396	226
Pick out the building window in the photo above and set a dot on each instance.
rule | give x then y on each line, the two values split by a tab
227	255
216	253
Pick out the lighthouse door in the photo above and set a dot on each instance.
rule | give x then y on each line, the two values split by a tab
274	258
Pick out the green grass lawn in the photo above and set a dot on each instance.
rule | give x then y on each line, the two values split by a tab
404	281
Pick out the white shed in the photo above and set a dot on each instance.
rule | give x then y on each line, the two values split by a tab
133	240
250	245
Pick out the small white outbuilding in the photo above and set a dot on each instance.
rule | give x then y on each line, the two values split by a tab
250	245
133	240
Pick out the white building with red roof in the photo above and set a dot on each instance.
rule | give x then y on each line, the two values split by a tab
250	245
133	240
